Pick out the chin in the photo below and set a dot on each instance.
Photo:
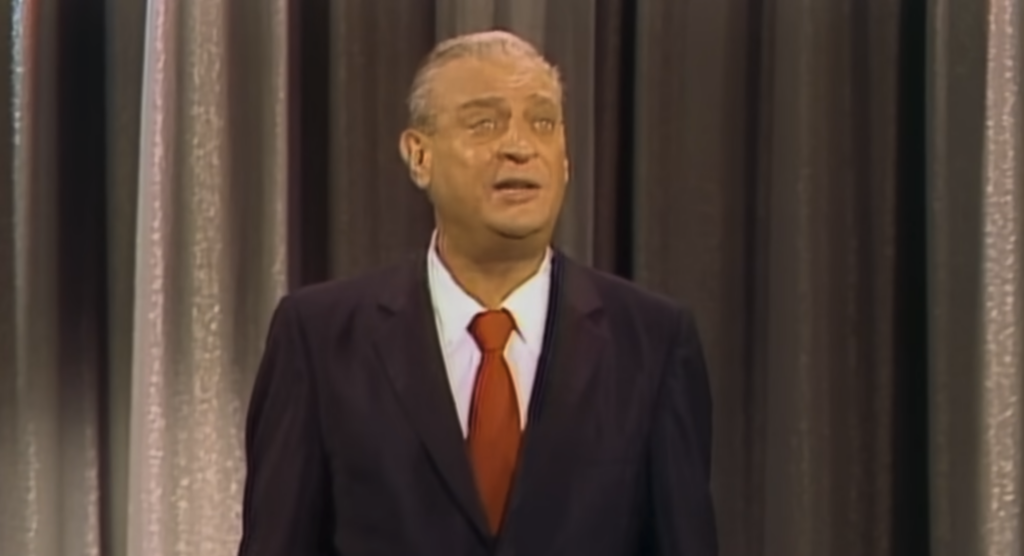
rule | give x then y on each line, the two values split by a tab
517	231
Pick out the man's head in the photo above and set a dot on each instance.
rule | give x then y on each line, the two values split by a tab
486	138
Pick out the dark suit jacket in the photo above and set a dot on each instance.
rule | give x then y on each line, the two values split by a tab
354	447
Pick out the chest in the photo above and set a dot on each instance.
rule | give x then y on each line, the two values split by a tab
590	403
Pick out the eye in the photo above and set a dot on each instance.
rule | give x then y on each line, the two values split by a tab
486	124
544	124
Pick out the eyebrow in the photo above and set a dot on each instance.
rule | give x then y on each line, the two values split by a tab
542	98
486	102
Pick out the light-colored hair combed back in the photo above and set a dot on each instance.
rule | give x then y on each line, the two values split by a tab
487	43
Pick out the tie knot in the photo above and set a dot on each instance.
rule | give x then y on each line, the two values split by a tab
491	329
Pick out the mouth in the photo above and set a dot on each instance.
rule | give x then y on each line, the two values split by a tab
516	185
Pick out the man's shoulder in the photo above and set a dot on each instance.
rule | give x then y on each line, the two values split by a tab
638	311
343	295
622	294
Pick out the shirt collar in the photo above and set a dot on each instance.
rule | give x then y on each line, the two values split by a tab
455	308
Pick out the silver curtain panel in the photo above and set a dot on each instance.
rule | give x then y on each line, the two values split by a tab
51	500
976	171
209	263
196	229
174	166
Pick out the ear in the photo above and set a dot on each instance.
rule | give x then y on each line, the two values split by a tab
414	147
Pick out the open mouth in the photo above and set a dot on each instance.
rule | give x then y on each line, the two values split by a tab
516	184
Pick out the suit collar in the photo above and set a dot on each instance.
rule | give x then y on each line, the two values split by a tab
410	281
455	308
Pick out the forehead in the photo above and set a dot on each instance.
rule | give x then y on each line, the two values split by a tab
510	77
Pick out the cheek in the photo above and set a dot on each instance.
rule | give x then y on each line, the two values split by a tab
464	157
468	169
554	152
457	176
559	168
477	156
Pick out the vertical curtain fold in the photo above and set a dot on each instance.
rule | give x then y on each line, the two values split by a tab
376	214
35	506
828	229
52	363
126	25
956	122
10	511
567	36
690	193
210	263
975	155
147	516
1002	365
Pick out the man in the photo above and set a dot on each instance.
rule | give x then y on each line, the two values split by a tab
489	396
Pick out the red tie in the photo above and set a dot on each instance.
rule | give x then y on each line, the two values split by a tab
494	430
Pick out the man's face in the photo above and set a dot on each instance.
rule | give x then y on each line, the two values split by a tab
495	161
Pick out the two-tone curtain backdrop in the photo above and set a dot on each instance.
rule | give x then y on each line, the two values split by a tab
835	187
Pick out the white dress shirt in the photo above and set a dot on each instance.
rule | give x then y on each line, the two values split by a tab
454	309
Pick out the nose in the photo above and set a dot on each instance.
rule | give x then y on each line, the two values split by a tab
517	147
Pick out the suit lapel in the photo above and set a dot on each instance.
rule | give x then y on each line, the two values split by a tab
409	348
575	337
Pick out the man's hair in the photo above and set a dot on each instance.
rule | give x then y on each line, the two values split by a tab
487	43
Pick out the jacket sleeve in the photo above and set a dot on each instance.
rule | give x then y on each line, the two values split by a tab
286	508
682	519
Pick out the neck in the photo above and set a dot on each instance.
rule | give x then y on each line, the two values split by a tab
490	274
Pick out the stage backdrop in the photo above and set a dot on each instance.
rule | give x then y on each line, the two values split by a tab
835	187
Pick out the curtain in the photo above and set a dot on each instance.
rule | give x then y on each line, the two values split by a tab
834	187
976	213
